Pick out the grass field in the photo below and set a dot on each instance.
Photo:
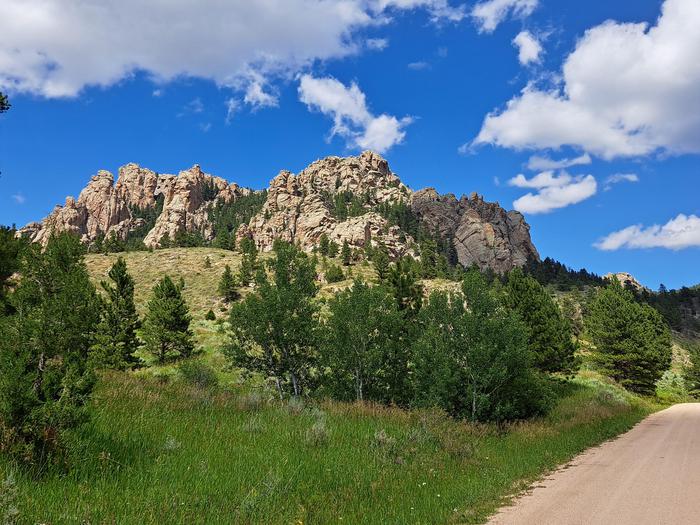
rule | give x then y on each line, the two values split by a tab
173	453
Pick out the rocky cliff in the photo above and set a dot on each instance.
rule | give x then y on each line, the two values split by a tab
104	208
353	199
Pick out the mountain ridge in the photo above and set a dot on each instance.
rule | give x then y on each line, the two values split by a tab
355	199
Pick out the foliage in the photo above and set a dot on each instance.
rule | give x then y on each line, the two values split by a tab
360	345
407	290
10	257
249	263
210	315
679	307
344	204
332	249
44	378
550	339
198	374
692	372
550	272
345	253
227	286
115	339
185	239
226	217
166	328
323	245
273	331
4	103
633	343
334	274
472	360
380	261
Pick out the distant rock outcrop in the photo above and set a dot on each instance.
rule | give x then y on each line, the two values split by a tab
627	280
357	200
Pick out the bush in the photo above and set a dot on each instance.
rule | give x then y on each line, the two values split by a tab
210	315
198	374
334	274
317	435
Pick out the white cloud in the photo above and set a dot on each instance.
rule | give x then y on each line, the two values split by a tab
626	90
418	66
157	93
529	47
377	44
351	117
232	106
194	106
489	14
19	198
676	234
205	127
553	191
55	48
620	177
256	96
536	162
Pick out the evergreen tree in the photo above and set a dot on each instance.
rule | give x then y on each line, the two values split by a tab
334	274
227	286
632	341
273	330
407	290
115	340
44	377
323	245
550	340
428	259
4	103
166	328
360	344
207	262
692	371
345	253
10	255
332	249
381	263
473	361
165	241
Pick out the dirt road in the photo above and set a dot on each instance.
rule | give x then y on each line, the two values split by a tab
650	475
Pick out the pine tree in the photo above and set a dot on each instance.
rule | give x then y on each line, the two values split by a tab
550	340
45	380
632	341
10	257
381	263
4	103
207	262
323	245
345	253
227	286
116	340
166	327
407	290
332	249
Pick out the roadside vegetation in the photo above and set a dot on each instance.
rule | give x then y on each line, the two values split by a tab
205	385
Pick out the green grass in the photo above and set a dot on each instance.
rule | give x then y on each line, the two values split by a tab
169	453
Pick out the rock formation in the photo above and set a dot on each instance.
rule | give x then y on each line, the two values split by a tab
627	280
353	199
104	208
482	233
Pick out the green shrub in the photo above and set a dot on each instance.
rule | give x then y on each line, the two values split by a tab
334	274
198	374
210	316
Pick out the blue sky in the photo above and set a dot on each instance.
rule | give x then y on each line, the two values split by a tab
441	88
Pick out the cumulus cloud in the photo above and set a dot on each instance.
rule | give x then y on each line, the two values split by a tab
620	177
351	117
489	14
55	48
626	90
529	47
553	191
537	162
677	234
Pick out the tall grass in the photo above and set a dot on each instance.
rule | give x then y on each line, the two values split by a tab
180	453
